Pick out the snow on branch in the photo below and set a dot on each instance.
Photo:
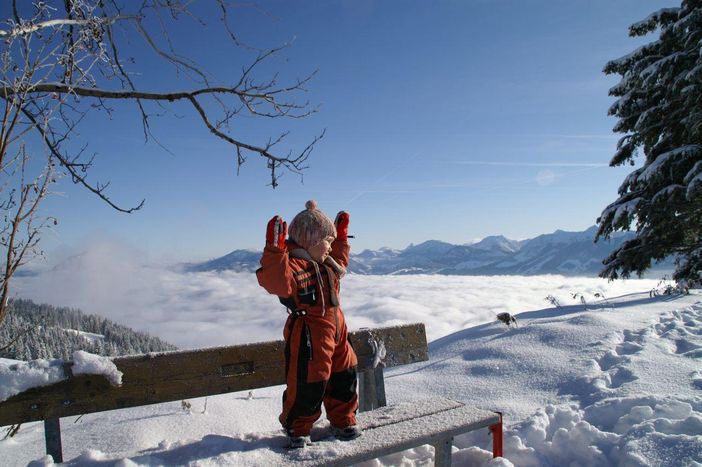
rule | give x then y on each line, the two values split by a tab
666	193
620	64
694	186
621	212
651	22
691	150
26	28
694	172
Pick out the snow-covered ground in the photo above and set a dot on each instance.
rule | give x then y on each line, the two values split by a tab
612	382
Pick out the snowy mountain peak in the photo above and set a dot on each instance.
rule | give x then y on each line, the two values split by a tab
381	253
499	242
431	247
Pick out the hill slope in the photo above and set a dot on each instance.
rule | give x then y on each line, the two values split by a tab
45	331
614	383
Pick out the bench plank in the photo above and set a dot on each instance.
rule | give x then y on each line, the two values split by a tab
387	430
391	436
172	376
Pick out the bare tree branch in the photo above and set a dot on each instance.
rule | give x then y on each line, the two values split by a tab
25	29
63	61
73	167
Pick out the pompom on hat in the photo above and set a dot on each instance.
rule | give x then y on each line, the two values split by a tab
311	226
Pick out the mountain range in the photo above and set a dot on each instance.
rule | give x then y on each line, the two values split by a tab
560	252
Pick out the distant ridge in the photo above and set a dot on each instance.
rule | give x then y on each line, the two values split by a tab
560	252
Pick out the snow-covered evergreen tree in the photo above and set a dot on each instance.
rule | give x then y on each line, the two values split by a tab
659	108
33	331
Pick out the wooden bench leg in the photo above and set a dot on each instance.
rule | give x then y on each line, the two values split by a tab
496	431
52	435
442	453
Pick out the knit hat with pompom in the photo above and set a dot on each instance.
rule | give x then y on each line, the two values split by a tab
310	226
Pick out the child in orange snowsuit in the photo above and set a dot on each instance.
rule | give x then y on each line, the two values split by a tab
320	365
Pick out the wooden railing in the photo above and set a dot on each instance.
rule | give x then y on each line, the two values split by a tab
171	376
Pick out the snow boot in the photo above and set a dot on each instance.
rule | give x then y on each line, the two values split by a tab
298	442
348	433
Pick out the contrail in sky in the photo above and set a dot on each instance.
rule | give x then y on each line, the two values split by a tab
586	166
529	164
387	174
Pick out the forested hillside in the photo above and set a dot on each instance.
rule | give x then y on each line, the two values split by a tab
32	331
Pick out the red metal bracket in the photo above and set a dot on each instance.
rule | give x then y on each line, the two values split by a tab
496	431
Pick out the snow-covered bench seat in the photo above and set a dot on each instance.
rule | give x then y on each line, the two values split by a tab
395	428
172	376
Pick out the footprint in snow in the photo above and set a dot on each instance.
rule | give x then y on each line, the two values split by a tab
685	347
611	359
637	336
628	348
621	376
696	379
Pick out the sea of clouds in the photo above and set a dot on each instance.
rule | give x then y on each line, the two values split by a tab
193	310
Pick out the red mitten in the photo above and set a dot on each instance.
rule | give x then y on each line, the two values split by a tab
342	225
276	232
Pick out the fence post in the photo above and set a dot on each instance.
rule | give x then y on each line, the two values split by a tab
371	389
52	435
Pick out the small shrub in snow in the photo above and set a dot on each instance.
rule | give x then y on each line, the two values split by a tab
602	297
553	301
664	287
577	295
507	319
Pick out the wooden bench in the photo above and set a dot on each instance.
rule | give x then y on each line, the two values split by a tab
172	376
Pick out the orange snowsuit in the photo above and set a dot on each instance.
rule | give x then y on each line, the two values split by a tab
320	365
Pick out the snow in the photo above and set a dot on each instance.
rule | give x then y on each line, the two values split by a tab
632	178
16	378
611	382
654	68
694	172
85	363
666	192
654	17
693	186
682	152
88	336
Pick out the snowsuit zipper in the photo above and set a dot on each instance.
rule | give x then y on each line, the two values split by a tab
309	341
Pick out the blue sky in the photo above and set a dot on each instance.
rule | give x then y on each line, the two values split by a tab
449	120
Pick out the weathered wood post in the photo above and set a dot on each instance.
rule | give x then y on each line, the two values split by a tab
371	389
52	435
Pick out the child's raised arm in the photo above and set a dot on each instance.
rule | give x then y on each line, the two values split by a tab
275	275
340	245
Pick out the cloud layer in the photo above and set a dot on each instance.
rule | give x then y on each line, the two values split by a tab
208	309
